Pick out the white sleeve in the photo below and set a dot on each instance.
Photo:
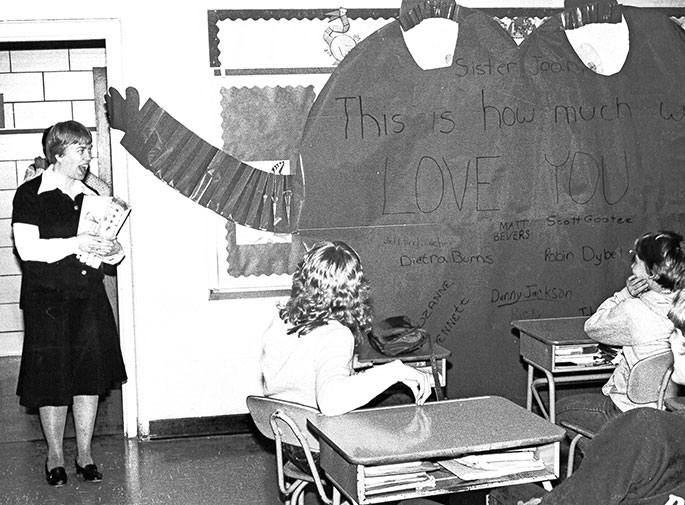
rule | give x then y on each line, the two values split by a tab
33	248
338	388
618	321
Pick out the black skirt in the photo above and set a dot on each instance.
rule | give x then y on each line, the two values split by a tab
71	347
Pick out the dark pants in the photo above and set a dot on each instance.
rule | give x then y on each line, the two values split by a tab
591	411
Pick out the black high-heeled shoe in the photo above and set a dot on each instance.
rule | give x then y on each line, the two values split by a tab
88	472
56	477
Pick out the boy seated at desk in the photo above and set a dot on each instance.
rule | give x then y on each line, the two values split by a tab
635	318
308	349
638	458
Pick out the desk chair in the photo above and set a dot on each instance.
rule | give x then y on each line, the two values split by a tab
675	404
286	422
649	382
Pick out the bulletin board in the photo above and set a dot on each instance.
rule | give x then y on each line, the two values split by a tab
509	185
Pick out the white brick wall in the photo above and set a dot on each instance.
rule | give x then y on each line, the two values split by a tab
68	85
4	61
39	88
20	146
25	114
40	60
86	59
26	87
8	175
5	233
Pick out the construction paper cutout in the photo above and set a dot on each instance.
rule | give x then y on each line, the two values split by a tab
510	185
413	14
264	123
576	15
197	169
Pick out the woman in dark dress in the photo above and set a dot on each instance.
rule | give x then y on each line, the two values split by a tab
71	353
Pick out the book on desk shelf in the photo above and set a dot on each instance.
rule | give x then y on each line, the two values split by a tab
494	465
584	355
398	477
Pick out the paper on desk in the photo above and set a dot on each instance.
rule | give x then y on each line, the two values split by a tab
493	465
400	468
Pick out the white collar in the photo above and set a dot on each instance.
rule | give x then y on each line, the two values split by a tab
51	180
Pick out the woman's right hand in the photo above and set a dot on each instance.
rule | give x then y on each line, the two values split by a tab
419	382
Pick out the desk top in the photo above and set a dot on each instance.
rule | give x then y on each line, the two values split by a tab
365	354
555	330
434	430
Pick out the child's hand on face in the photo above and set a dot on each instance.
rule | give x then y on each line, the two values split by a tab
636	285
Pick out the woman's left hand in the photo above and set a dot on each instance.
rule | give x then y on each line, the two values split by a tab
108	247
107	250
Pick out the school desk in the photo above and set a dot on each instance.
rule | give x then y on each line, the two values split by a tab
544	345
355	442
366	356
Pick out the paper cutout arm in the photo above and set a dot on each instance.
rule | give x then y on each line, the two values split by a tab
120	110
447	9
205	174
606	11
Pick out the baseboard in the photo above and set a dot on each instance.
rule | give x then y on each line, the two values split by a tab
235	424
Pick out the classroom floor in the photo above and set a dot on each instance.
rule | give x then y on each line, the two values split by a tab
226	470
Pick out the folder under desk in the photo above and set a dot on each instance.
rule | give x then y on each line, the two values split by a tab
435	431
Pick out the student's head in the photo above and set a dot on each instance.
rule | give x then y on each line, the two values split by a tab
329	284
677	317
61	135
661	257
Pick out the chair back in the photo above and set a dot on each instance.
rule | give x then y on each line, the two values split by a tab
262	408
650	380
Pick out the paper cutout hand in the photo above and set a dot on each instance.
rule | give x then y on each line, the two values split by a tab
122	111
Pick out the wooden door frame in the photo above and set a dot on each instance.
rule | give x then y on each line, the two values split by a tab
108	30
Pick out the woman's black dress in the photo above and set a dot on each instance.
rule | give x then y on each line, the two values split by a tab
71	344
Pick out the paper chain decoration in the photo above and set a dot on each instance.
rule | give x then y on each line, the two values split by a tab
205	174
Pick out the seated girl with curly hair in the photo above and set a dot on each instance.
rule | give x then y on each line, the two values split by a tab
308	348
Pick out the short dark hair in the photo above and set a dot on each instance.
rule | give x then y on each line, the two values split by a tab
60	135
663	257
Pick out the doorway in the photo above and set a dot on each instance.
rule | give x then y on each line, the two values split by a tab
51	71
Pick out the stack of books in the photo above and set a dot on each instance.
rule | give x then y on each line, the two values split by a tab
586	355
399	477
577	355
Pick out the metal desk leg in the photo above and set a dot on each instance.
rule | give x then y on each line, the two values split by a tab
552	396
548	413
529	393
